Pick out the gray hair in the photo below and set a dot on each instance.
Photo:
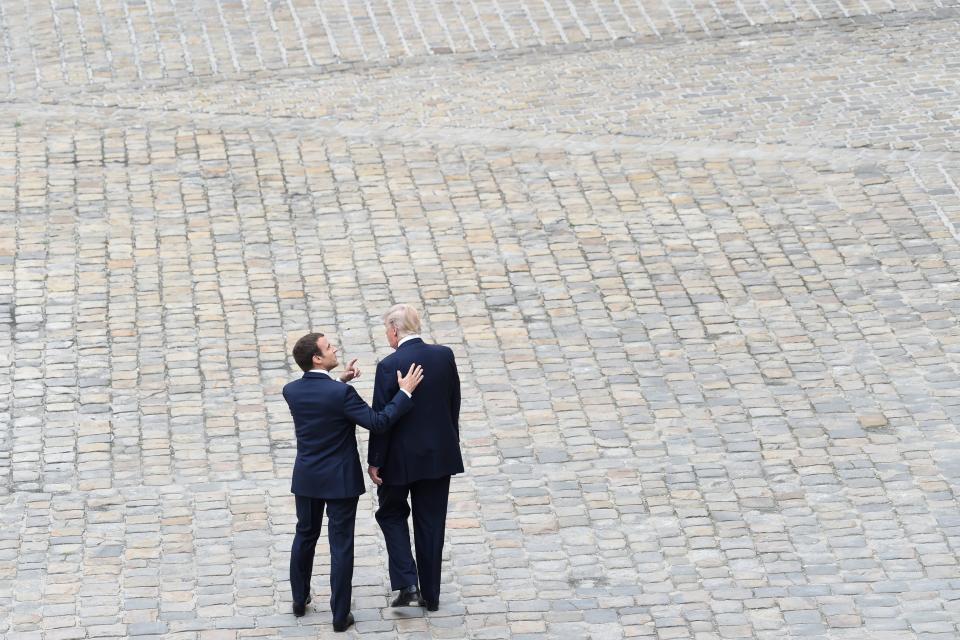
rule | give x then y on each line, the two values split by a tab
403	318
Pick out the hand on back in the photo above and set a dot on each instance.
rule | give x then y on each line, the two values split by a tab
413	378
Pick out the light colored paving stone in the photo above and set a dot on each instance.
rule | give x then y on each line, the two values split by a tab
60	44
779	89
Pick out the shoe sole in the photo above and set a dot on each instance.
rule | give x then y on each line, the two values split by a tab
405	604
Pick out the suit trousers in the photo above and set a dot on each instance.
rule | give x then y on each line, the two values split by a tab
341	517
429	501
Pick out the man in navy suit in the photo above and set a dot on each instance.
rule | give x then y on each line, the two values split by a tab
327	471
416	458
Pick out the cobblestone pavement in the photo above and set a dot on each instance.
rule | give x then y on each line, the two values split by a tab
698	260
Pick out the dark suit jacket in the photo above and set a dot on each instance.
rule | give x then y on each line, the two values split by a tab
425	443
325	414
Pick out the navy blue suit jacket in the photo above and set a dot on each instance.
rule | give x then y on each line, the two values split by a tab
325	414
425	442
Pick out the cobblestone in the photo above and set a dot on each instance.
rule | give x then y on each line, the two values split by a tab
698	261
114	42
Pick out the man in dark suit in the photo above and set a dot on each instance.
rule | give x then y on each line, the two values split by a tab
327	471
416	458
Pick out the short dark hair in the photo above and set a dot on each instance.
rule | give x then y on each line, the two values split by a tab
305	349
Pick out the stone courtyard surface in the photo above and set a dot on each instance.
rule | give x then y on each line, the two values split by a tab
698	260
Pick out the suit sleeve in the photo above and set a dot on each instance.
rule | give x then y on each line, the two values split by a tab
380	390
379	442
358	412
455	395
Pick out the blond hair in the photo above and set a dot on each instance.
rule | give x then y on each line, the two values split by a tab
403	318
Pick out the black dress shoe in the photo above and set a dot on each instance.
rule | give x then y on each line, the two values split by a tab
300	610
431	606
408	596
346	624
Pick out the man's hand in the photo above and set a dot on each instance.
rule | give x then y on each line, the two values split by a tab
352	372
413	378
374	473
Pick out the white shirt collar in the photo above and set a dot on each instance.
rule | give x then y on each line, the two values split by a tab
412	336
323	371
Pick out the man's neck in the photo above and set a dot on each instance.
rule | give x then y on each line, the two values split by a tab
412	336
